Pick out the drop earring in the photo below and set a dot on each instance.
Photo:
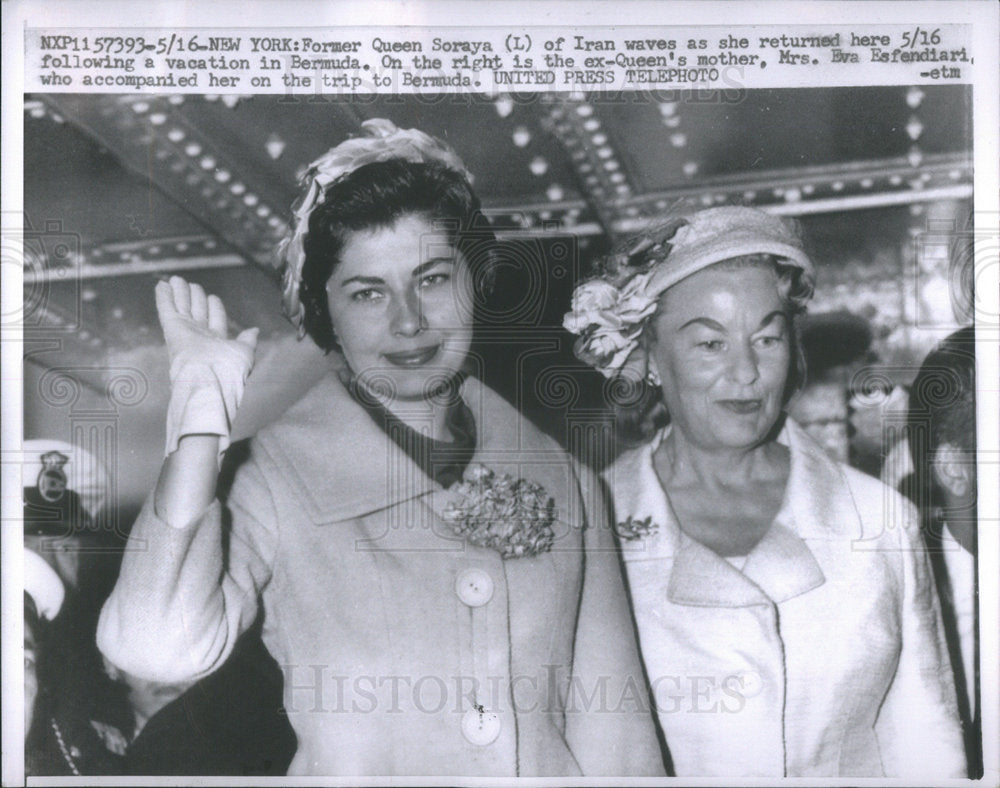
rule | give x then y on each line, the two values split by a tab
653	377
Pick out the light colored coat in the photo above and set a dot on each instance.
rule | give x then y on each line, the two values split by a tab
823	657
340	534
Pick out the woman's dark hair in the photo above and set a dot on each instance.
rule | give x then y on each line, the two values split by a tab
942	409
376	196
640	411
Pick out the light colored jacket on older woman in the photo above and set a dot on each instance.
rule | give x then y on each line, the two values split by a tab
391	630
823	657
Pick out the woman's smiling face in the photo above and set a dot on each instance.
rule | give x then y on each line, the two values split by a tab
721	345
401	302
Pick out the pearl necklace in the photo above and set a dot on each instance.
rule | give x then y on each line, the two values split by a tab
62	747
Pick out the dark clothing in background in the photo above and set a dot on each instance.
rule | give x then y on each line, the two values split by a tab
229	723
972	724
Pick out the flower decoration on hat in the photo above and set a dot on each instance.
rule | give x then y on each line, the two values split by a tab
610	311
609	321
382	141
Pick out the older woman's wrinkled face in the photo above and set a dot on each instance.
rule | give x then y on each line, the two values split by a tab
401	301
721	346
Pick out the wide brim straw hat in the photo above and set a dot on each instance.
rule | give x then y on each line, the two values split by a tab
609	311
718	234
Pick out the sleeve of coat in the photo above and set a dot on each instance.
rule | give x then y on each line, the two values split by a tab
918	727
614	735
181	602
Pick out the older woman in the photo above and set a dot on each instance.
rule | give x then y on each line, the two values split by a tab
784	602
430	583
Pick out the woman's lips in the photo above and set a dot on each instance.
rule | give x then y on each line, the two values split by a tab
741	407
412	358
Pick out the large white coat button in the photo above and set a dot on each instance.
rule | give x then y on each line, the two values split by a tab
480	727
474	587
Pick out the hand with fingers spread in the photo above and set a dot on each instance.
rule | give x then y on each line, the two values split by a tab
207	369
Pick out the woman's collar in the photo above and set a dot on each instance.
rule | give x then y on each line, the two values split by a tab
818	505
337	462
340	465
817	487
818	501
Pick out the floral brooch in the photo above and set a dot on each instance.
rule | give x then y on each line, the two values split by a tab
632	529
512	516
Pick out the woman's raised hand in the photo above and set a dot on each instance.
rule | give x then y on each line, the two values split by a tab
207	369
195	324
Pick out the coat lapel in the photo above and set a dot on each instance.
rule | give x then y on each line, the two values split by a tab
782	565
817	506
818	503
637	493
338	462
698	577
341	465
701	578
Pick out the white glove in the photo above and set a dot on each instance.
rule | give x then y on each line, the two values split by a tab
207	370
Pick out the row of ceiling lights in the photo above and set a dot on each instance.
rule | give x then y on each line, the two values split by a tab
521	137
195	152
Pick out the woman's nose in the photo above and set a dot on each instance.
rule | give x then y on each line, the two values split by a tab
743	366
408	316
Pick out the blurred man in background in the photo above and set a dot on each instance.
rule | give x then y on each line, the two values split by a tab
941	432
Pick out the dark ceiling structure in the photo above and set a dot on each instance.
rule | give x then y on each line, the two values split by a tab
119	190
226	166
141	186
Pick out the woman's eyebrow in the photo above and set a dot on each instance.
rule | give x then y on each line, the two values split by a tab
420	269
705	321
716	326
423	267
363	280
770	316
